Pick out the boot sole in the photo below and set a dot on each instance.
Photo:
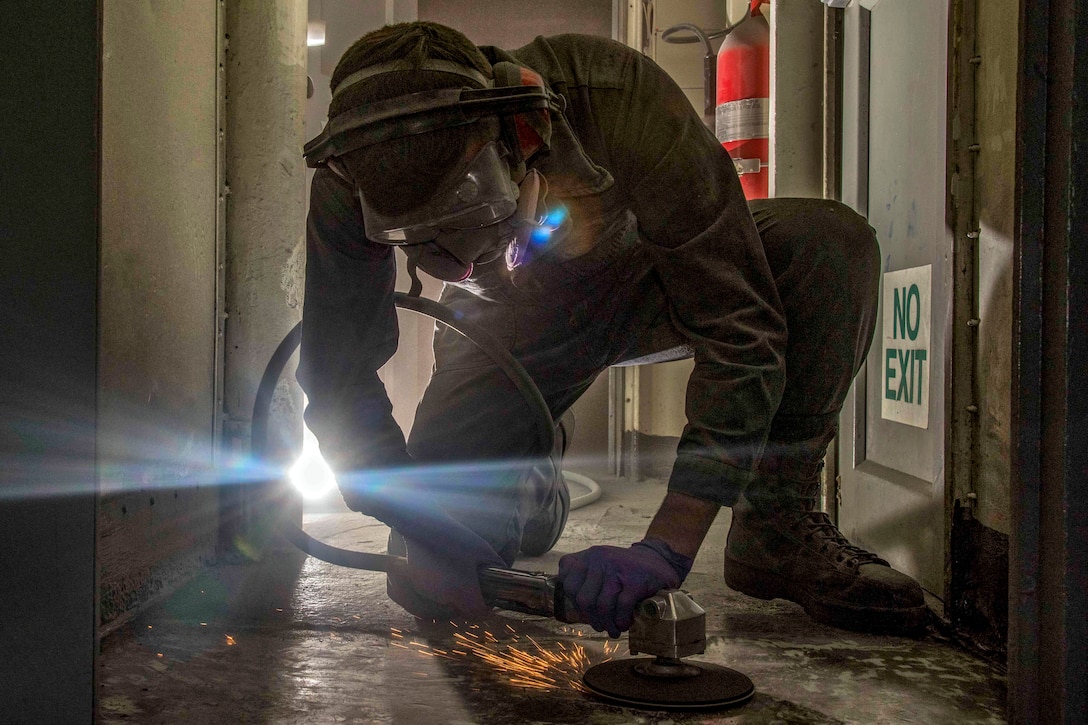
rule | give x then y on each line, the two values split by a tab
764	584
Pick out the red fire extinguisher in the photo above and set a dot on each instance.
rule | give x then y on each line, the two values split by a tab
743	111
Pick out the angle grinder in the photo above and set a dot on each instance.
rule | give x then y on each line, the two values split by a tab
668	626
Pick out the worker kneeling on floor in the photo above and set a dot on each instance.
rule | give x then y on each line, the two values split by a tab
578	210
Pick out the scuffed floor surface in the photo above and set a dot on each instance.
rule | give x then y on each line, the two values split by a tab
295	640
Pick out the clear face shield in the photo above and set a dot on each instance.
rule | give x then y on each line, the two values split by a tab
477	215
477	196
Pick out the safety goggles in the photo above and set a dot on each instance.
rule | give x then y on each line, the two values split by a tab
477	196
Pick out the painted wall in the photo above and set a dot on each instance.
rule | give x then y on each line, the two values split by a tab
265	90
156	358
513	23
190	250
684	61
995	107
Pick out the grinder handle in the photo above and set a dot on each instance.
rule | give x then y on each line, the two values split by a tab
565	608
527	592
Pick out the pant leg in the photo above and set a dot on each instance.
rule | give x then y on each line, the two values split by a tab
578	318
470	423
826	262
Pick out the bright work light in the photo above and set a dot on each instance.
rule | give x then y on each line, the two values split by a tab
311	475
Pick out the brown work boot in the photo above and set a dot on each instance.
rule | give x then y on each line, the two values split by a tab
779	545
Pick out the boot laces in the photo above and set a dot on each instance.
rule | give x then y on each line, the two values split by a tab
818	530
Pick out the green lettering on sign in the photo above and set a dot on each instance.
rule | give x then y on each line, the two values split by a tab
889	374
905	377
899	314
908	366
914	294
920	357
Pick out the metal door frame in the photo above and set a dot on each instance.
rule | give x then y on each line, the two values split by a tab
48	393
1048	562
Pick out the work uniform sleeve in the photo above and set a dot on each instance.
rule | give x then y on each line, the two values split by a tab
711	263
349	330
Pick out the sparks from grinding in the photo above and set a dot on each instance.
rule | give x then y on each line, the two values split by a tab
520	660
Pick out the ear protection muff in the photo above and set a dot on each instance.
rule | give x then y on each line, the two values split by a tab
529	132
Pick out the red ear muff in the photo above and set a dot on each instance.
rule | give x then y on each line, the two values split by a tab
532	130
532	127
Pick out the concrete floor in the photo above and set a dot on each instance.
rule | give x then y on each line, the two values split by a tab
295	640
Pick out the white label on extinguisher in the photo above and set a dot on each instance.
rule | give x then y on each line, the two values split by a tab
744	119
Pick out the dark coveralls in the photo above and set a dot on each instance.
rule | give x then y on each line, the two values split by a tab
779	313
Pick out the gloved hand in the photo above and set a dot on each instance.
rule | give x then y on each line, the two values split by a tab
607	583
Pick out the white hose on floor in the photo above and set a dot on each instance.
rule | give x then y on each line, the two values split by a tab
593	493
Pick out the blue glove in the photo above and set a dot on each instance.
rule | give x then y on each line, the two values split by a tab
607	583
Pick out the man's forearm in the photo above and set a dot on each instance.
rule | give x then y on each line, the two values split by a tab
682	522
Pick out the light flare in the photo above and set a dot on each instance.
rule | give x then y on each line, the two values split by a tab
310	474
542	234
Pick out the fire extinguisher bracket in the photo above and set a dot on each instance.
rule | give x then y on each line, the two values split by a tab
748	166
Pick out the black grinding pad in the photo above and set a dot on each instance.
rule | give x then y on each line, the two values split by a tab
712	687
